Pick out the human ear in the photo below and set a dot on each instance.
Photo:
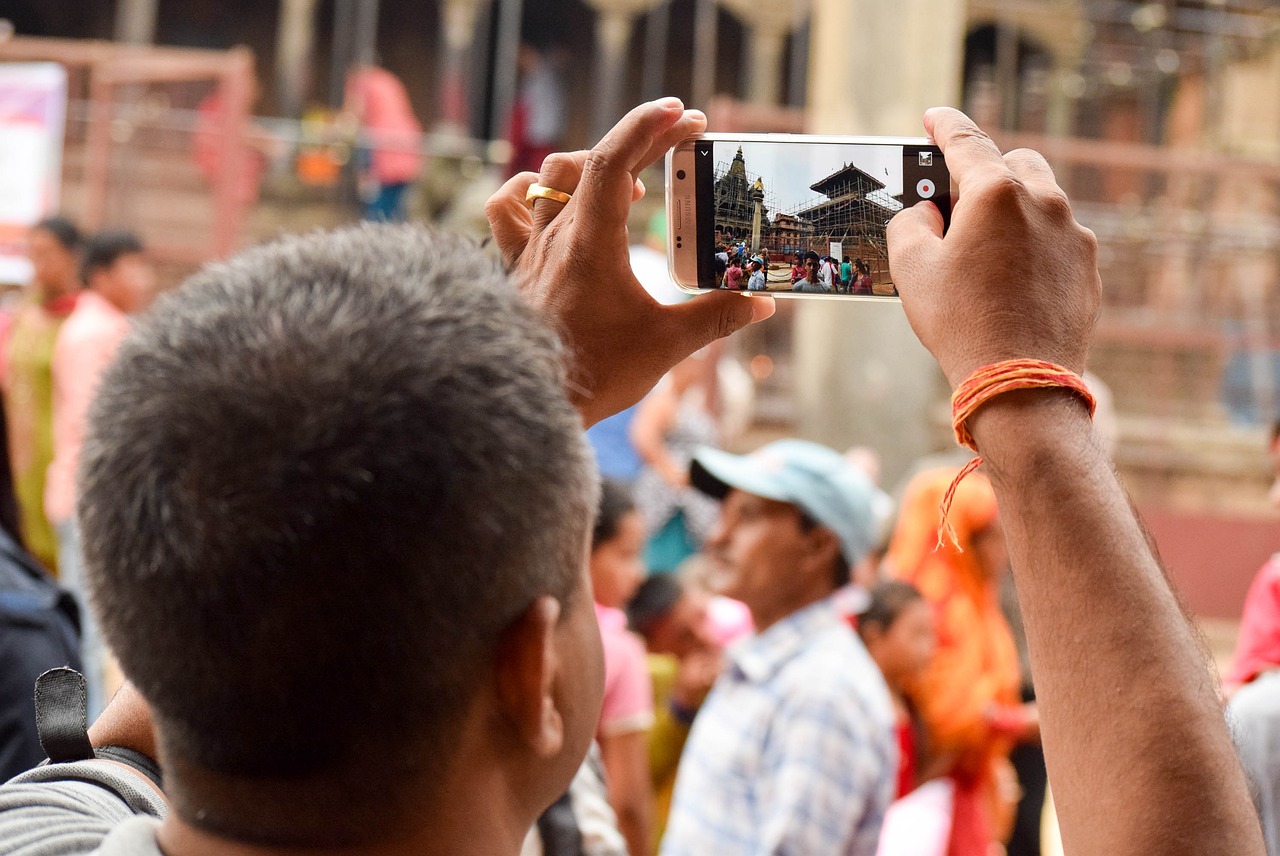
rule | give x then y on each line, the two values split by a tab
526	667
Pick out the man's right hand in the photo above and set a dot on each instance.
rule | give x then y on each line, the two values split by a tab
1015	277
572	262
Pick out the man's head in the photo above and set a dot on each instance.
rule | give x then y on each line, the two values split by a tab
114	265
794	519
335	509
671	616
52	245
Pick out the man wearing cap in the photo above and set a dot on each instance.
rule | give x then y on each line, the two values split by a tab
756	282
792	751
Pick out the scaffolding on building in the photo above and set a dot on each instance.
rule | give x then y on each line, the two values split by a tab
852	211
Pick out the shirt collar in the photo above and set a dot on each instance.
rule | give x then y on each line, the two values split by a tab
759	657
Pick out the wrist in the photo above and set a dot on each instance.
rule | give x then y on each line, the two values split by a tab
1018	430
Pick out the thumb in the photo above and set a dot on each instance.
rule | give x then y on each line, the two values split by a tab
700	321
914	236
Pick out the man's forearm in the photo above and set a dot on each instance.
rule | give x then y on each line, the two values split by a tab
1137	748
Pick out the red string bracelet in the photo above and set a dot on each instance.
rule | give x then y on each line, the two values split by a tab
985	384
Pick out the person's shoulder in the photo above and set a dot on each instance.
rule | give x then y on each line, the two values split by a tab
87	807
833	666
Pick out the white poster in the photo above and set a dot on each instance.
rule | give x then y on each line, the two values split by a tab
837	250
33	106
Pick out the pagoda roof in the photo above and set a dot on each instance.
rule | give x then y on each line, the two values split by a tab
848	172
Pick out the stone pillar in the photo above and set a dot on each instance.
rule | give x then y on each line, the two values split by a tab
757	215
769	23
505	71
136	21
862	377
705	40
458	26
615	21
295	40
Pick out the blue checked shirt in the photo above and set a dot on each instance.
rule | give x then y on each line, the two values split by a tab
793	752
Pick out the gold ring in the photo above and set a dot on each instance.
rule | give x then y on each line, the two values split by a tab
537	191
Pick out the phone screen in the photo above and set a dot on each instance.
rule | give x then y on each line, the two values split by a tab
807	217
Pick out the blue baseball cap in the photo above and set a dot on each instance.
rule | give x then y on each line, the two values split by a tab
810	476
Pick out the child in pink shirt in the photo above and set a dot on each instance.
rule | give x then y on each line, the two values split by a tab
617	545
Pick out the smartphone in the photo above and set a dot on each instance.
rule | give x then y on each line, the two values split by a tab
795	214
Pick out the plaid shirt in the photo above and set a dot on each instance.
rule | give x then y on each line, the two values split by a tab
793	752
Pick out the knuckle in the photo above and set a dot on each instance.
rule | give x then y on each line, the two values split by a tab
1057	206
1003	192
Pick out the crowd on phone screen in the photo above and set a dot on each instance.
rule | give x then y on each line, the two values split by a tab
737	270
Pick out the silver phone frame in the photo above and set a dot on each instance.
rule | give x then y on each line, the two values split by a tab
682	203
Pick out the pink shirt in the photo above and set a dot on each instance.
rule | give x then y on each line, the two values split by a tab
1258	646
379	100
85	346
628	689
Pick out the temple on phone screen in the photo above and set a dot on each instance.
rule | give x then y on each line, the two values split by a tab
809	217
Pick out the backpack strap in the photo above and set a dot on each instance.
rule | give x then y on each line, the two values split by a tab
62	718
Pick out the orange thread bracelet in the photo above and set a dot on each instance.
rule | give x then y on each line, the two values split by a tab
985	384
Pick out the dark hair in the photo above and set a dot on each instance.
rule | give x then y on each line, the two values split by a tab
319	481
616	502
653	599
721	265
64	230
1275	431
889	600
811	256
103	249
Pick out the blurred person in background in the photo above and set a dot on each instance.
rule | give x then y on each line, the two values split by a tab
673	420
28	342
617	569
539	115
208	145
685	659
897	630
793	751
118	282
39	626
968	698
390	147
1253	681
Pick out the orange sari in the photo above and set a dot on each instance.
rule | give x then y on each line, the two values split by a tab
976	665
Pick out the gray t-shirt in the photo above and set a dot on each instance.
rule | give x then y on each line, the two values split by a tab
87	807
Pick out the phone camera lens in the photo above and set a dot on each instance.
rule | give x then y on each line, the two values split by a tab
680	174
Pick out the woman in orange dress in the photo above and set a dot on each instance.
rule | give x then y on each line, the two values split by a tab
968	698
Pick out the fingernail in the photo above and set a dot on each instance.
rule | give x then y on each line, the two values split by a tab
671	103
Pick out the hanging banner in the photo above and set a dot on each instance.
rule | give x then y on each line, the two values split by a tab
33	107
